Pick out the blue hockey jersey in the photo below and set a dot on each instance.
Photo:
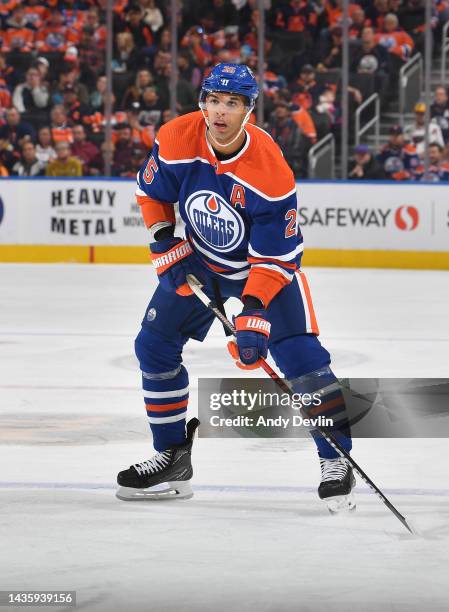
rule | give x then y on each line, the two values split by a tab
240	214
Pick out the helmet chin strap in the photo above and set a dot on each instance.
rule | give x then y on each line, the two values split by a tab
227	144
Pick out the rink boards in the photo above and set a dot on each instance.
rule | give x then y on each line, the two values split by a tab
347	224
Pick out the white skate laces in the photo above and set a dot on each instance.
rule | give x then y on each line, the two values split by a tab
333	469
150	466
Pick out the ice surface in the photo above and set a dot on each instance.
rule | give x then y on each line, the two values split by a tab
255	536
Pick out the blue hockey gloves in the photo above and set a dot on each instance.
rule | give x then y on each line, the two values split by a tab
173	259
253	331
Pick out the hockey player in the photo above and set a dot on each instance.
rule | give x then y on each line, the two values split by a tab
237	198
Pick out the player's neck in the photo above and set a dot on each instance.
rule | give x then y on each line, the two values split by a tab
227	150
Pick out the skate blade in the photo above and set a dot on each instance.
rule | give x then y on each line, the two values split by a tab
340	503
171	490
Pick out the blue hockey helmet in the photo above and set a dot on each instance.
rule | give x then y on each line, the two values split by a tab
231	78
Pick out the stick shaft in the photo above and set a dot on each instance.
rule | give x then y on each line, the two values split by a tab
329	437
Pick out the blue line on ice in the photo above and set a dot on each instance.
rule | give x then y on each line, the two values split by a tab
83	486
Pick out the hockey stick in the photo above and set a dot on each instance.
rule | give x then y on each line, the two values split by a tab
196	287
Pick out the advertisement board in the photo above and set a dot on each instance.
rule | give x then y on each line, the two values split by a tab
343	223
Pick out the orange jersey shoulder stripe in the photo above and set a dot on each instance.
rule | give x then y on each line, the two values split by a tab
179	139
265	169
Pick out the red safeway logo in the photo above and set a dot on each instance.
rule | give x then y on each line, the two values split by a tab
406	218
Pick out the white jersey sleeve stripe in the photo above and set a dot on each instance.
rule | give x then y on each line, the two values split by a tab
286	257
276	268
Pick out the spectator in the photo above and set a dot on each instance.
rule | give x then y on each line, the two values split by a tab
196	43
297	16
187	98
286	133
96	99
124	148
138	155
44	148
395	40
70	76
331	54
8	74
55	36
75	110
140	32
305	89
15	130
97	166
35	14
94	25
141	134
398	159
151	108
18	37
91	56
152	15
84	150
439	111
334	11
438	168
165	41
126	56
188	71
29	164
31	95
8	155
364	166
232	42
64	164
416	132
60	130
371	57
376	13
167	115
358	23
216	15
134	92
43	66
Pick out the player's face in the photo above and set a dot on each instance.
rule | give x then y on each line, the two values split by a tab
225	113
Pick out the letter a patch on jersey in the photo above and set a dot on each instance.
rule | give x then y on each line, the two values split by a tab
150	170
238	196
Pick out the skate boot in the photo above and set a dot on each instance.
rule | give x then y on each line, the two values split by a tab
172	469
337	482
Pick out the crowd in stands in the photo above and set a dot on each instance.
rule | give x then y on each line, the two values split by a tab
53	86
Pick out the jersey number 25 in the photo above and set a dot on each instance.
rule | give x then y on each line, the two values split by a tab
150	170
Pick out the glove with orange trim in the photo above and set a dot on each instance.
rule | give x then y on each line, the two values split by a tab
252	333
173	259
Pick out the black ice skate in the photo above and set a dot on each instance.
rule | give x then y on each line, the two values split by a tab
337	482
171	468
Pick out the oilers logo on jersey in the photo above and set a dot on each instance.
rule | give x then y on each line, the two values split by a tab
214	220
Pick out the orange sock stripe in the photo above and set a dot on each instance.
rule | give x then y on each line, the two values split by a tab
338	401
166	407
313	321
